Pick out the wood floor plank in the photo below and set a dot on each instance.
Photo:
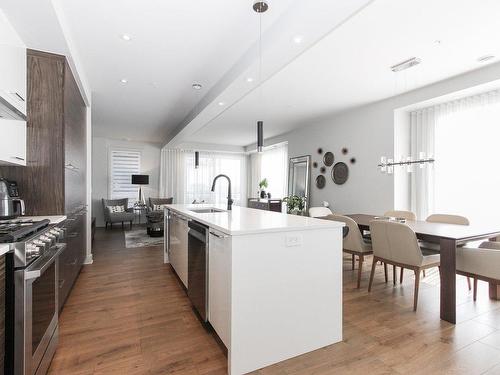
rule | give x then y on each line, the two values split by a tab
128	315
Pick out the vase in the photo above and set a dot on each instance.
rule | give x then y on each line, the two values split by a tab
262	194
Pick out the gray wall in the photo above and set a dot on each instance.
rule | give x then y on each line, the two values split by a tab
150	164
368	133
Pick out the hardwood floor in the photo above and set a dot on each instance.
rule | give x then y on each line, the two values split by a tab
128	315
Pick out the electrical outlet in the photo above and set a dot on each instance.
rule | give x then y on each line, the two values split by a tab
293	240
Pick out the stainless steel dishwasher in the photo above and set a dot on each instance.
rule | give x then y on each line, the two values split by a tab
198	267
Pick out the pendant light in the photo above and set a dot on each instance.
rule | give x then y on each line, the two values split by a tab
196	159
260	7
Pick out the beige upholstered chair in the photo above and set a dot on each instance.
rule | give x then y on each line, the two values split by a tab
448	219
408	215
353	242
481	263
319	211
396	243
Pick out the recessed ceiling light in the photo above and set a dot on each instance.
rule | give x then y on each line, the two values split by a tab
221	103
196	86
249	79
485	58
297	39
123	80
126	37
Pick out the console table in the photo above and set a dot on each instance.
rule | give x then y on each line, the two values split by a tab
265	204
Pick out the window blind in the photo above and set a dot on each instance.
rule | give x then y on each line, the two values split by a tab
123	164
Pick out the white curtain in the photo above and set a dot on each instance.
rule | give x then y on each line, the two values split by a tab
181	180
172	174
462	135
271	164
422	126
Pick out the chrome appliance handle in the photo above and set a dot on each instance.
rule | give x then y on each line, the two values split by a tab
36	269
219	235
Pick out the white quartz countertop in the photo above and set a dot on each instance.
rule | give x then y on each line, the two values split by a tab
53	219
4	248
243	220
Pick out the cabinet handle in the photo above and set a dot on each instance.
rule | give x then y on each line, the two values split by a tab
72	235
218	235
19	96
17	158
61	283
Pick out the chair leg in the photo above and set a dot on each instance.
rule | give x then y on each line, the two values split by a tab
423	273
475	289
374	264
111	225
130	224
394	274
417	284
353	261
123	227
360	267
385	272
106	226
468	284
401	275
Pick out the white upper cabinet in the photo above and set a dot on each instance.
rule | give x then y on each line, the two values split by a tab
13	143
13	79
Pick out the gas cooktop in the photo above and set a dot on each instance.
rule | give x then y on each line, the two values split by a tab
16	230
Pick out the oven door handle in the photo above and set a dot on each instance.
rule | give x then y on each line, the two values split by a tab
38	268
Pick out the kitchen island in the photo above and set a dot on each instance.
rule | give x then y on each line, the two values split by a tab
274	281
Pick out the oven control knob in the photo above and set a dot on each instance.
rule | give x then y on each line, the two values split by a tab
32	251
39	245
47	240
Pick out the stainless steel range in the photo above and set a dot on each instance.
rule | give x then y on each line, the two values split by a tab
32	294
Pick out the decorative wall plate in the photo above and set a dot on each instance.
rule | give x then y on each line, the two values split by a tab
353	160
322	170
315	164
328	159
345	151
320	150
320	181
340	173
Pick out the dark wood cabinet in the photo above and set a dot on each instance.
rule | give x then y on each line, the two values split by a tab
54	179
265	204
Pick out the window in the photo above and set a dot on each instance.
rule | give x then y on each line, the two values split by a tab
198	182
463	137
272	164
123	164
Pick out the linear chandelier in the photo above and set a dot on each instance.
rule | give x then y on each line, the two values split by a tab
387	164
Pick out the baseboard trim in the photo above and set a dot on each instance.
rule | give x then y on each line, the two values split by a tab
89	259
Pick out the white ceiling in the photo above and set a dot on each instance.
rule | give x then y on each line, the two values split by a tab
174	43
350	66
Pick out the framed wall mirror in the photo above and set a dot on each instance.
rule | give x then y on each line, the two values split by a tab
299	176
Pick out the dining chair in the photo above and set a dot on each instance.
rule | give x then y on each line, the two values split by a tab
396	244
481	263
407	215
353	243
429	248
319	211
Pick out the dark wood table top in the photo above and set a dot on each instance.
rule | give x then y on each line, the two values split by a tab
436	231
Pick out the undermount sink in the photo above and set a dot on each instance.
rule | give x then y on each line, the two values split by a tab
208	210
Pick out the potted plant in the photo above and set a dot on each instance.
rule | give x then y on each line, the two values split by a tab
295	204
263	185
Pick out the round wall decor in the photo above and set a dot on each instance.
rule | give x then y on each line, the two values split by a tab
315	164
320	150
353	160
328	159
340	173
320	181
345	150
322	169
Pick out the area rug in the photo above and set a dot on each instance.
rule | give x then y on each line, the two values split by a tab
139	238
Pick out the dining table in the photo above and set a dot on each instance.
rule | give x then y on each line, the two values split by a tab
448	236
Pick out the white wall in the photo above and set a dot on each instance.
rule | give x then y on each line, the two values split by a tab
150	165
368	133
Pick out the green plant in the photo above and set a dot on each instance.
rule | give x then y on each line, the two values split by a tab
263	184
295	203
